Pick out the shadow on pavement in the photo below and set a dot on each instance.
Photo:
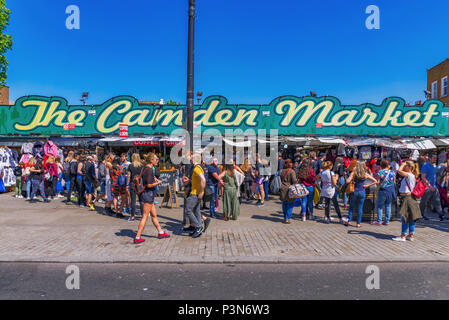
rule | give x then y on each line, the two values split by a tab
373	234
130	234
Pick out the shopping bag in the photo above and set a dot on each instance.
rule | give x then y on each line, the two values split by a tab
316	196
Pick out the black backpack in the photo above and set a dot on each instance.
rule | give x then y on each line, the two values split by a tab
66	169
73	168
18	171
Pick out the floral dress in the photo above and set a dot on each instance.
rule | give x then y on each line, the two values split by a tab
116	190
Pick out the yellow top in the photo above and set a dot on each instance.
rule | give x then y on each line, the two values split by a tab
196	181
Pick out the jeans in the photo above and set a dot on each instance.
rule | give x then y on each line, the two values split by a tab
345	196
192	211
67	183
407	228
28	187
212	201
37	184
357	200
307	202
81	190
265	187
19	186
134	196
287	209
381	201
327	203
72	185
434	198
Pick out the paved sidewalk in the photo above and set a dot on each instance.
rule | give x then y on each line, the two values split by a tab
55	232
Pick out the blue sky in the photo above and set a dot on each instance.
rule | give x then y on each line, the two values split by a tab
250	51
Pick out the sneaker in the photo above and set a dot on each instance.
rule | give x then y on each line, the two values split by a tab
20	197
303	218
410	238
156	202
206	224
92	207
163	235
136	241
188	229
375	223
385	223
46	201
327	221
260	204
198	232
401	239
131	219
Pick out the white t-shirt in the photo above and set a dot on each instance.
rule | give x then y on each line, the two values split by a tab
411	180
327	189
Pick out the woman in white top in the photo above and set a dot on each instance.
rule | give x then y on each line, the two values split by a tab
410	211
329	182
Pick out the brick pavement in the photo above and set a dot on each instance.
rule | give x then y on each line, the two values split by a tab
55	232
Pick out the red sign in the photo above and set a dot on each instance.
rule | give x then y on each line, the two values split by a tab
68	126
123	131
319	125
146	143
174	143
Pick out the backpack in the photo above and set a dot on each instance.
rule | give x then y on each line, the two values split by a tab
121	179
66	169
73	168
139	187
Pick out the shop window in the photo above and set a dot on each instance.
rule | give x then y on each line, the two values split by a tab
434	90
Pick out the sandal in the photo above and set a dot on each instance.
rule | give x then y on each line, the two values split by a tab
225	219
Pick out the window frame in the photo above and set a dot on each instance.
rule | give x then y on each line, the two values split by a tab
434	93
444	94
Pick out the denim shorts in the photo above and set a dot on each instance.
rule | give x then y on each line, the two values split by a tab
148	196
89	186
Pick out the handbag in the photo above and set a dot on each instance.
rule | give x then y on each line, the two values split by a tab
419	190
47	176
350	187
297	191
208	194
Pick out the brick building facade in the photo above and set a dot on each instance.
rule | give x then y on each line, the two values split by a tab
437	81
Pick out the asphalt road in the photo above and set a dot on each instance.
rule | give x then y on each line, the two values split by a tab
228	282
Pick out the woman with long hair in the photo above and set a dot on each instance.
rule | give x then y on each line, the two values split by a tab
231	204
108	184
80	173
357	198
37	180
386	194
410	211
150	182
134	169
288	178
66	177
117	189
306	176
59	188
52	169
329	182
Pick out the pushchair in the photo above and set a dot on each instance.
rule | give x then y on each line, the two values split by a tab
443	197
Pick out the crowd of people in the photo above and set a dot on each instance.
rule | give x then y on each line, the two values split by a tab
323	181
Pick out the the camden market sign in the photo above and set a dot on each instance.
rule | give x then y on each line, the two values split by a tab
290	115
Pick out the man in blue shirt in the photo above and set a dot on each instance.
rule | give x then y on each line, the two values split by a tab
432	195
213	171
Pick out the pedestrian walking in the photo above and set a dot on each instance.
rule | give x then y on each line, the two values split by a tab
288	178
213	179
134	169
73	171
150	182
231	204
432	195
357	198
59	187
80	179
247	181
258	181
108	184
51	177
410	211
90	181
386	194
118	187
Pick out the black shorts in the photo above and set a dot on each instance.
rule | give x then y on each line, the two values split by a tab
148	196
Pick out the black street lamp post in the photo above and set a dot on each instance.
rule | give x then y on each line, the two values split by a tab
190	72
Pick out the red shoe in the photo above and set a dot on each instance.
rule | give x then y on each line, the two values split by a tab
139	240
163	235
